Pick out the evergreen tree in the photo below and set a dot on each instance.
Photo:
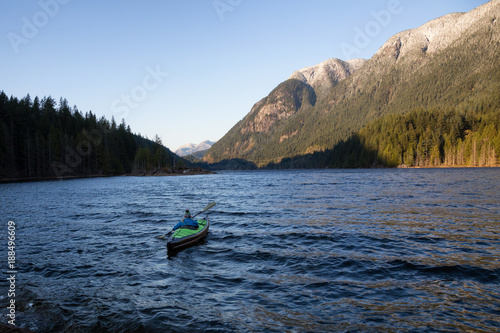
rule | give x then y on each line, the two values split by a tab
40	138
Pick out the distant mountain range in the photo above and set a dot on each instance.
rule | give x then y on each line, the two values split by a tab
191	148
449	62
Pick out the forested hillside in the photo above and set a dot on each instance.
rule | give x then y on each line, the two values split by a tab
40	138
424	138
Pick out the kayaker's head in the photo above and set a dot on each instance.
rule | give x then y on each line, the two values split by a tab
187	214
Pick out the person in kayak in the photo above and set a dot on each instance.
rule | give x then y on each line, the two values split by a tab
187	222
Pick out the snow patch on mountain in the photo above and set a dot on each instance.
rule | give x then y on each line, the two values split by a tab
192	148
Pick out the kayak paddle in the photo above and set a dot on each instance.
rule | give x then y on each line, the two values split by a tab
163	236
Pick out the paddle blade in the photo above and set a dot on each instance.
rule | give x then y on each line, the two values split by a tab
163	236
210	205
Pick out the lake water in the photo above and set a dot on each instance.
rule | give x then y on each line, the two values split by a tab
288	251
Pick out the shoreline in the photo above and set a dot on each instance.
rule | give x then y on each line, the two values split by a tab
49	178
403	166
198	171
170	172
186	172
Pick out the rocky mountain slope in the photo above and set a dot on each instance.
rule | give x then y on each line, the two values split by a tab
324	76
451	61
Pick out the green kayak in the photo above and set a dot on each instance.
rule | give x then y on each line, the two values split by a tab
184	237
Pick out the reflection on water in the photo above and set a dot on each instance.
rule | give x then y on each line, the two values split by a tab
329	250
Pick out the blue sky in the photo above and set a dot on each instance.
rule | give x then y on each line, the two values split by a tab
187	70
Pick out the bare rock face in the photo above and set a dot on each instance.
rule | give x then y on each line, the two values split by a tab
283	102
438	34
324	76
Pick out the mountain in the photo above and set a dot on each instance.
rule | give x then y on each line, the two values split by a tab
449	62
190	148
272	119
323	77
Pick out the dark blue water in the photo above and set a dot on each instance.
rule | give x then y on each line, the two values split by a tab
288	251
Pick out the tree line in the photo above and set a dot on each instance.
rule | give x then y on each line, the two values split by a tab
422	138
40	138
435	138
